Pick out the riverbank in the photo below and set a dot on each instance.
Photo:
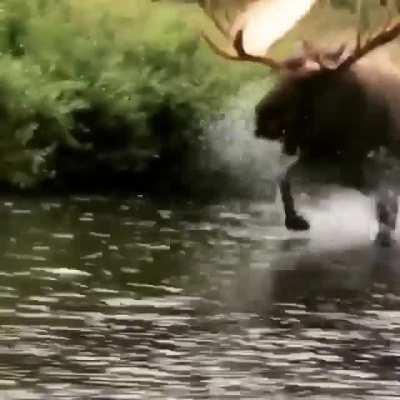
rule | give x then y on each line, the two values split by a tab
99	96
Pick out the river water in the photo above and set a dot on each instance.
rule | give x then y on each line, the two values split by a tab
129	298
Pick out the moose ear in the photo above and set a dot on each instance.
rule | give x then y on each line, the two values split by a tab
310	51
315	59
338	54
301	65
332	60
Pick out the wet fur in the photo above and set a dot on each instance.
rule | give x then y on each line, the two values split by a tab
338	117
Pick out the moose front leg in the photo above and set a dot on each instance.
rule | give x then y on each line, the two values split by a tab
293	220
386	211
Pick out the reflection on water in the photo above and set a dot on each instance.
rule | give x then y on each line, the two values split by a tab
106	298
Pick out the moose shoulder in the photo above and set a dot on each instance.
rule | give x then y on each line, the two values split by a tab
333	107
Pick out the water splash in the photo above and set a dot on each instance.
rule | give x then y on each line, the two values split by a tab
252	162
342	218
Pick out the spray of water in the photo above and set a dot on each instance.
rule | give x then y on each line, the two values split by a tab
342	219
252	163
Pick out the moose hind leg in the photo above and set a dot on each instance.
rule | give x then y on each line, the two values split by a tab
293	220
386	212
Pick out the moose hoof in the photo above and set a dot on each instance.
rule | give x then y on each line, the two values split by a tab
384	239
297	223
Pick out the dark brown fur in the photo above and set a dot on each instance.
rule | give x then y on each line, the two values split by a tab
338	116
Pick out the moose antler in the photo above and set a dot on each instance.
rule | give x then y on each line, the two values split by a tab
209	11
383	37
234	32
240	53
313	60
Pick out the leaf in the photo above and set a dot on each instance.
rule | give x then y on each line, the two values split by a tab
349	5
25	134
364	15
364	20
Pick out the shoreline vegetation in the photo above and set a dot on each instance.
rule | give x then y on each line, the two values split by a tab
118	96
95	96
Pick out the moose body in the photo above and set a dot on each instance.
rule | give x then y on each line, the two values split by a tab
339	118
333	115
330	107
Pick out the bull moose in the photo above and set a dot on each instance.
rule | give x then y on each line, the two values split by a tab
331	106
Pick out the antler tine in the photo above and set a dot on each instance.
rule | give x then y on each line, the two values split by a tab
380	39
205	5
241	54
218	50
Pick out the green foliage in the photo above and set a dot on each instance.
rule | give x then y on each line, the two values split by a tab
364	8
370	13
101	83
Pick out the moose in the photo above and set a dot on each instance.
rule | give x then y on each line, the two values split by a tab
331	106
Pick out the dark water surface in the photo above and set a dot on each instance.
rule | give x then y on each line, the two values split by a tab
132	299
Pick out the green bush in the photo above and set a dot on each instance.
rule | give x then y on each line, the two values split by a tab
101	85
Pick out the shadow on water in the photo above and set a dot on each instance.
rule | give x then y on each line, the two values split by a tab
125	298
